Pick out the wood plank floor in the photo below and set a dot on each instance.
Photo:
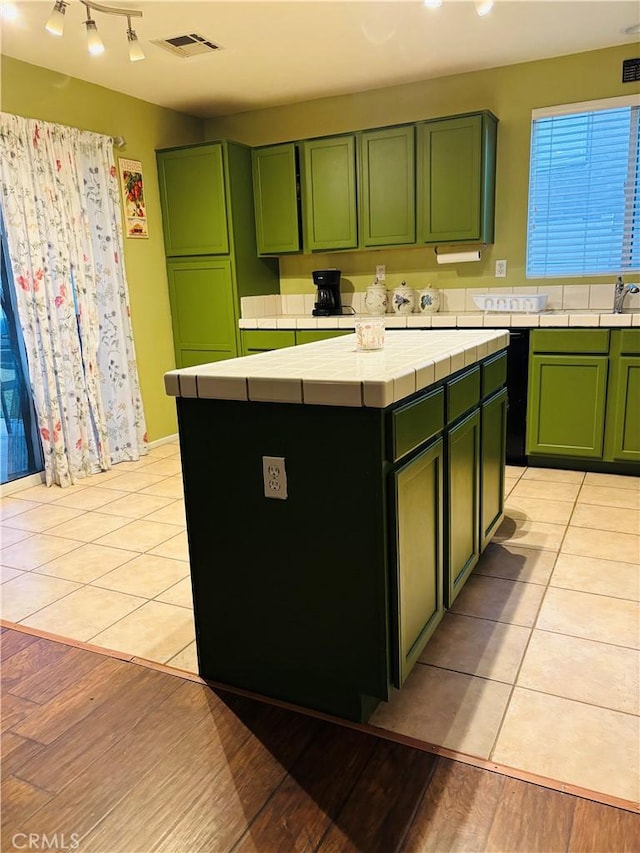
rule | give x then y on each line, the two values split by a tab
109	756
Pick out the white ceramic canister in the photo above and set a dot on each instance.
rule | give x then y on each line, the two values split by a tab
428	300
375	299
404	299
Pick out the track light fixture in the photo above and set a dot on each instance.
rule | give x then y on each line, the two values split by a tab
95	45
55	24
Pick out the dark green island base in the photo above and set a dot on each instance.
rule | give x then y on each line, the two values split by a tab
327	598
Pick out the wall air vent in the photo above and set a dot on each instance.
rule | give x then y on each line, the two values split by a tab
190	44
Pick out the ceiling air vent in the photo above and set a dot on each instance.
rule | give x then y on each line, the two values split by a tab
191	44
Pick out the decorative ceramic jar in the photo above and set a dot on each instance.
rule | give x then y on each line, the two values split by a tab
375	299
428	300
404	299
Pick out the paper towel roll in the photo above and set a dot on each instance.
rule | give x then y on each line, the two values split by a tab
457	257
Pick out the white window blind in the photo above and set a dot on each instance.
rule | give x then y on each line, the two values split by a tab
584	190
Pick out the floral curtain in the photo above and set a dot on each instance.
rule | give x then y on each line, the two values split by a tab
61	206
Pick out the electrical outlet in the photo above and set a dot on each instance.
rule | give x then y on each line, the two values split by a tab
381	272
501	269
274	475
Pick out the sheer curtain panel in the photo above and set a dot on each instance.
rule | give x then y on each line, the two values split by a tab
61	204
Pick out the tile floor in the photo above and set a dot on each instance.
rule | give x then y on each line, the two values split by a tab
536	666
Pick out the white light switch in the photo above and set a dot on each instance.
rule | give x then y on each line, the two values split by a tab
501	269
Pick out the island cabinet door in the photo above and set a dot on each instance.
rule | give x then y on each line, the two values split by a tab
329	193
193	200
493	431
387	186
462	503
418	520
275	195
566	405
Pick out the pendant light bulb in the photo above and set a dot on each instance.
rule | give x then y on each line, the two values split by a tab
135	50
94	42
433	4
55	24
484	7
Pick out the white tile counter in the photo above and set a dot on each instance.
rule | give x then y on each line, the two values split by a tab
464	319
333	372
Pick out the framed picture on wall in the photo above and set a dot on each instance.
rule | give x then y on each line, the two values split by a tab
135	211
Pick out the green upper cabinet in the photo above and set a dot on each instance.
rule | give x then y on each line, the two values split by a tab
456	160
329	193
192	194
275	194
387	186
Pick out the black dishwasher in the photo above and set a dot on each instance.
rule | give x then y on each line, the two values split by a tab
517	381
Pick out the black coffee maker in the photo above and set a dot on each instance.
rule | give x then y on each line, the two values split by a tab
328	301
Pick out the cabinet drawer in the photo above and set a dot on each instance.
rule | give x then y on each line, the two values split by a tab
577	340
416	422
629	341
463	393
494	374
267	340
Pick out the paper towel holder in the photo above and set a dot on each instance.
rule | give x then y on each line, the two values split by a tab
456	255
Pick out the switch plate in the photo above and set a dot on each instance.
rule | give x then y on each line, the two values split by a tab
274	475
501	269
381	272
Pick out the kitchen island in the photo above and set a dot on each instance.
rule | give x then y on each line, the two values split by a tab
336	503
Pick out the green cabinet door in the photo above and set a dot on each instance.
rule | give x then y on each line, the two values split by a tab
418	490
192	195
493	439
275	198
462	503
264	340
329	193
566	405
623	410
456	179
387	186
310	336
202	310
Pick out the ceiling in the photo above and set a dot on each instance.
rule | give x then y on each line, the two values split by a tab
276	53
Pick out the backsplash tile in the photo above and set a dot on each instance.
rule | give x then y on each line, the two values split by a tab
575	296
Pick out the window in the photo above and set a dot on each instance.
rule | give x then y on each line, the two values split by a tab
584	189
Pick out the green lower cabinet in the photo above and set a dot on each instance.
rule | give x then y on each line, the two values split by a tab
265	340
623	410
419	512
566	405
201	294
493	430
310	336
462	496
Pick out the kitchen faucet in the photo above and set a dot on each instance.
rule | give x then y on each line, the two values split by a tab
620	293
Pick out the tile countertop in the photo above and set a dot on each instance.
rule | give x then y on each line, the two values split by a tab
467	319
334	373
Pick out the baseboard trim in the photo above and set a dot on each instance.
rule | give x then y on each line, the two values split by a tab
160	441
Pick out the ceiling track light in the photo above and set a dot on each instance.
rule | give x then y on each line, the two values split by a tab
55	24
94	43
432	4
